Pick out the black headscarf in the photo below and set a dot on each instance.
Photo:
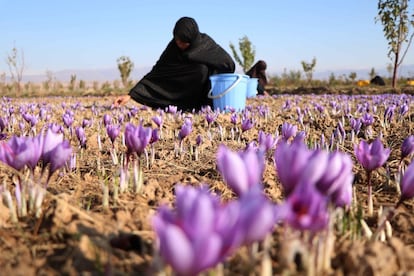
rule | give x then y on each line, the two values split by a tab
186	30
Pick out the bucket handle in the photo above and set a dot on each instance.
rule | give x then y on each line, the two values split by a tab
211	96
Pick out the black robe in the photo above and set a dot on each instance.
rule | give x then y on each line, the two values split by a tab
181	78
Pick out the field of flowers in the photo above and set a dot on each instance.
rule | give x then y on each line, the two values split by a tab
292	185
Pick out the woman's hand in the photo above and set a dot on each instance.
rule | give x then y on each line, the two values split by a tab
121	100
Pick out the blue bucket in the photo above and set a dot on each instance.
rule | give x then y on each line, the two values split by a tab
228	91
252	87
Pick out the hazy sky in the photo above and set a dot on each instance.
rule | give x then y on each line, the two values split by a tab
89	34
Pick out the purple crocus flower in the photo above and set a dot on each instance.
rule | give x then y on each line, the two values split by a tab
2	124
155	135
56	128
304	209
342	197
43	113
36	144
113	132
211	117
60	155
51	141
186	129
290	160
266	141
233	118
187	237
199	140
407	146
121	118
86	123
240	171
247	123
288	130
371	156
80	134
341	130
31	119
16	152
172	109
336	181
137	138
403	110
107	119
389	113
407	183
157	120
355	124
367	119
257	216
300	137
68	119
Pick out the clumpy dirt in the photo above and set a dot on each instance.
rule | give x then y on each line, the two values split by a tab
77	235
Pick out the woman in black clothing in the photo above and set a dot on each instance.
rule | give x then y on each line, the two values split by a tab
259	71
181	75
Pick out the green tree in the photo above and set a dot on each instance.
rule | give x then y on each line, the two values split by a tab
247	52
72	83
309	68
332	79
82	85
125	66
372	73
352	76
396	21
15	62
47	84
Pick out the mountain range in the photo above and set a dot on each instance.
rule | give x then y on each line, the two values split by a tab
111	74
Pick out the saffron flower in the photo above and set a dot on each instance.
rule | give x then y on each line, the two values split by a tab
86	123
329	172
155	135
241	171
367	119
51	141
16	152
247	123
210	118
407	147
2	124
288	131
61	154
266	141
304	209
187	237
68	119
371	156
158	121
107	119
137	138
355	124
257	216
407	184
113	132
290	160
337	178
80	134
186	129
